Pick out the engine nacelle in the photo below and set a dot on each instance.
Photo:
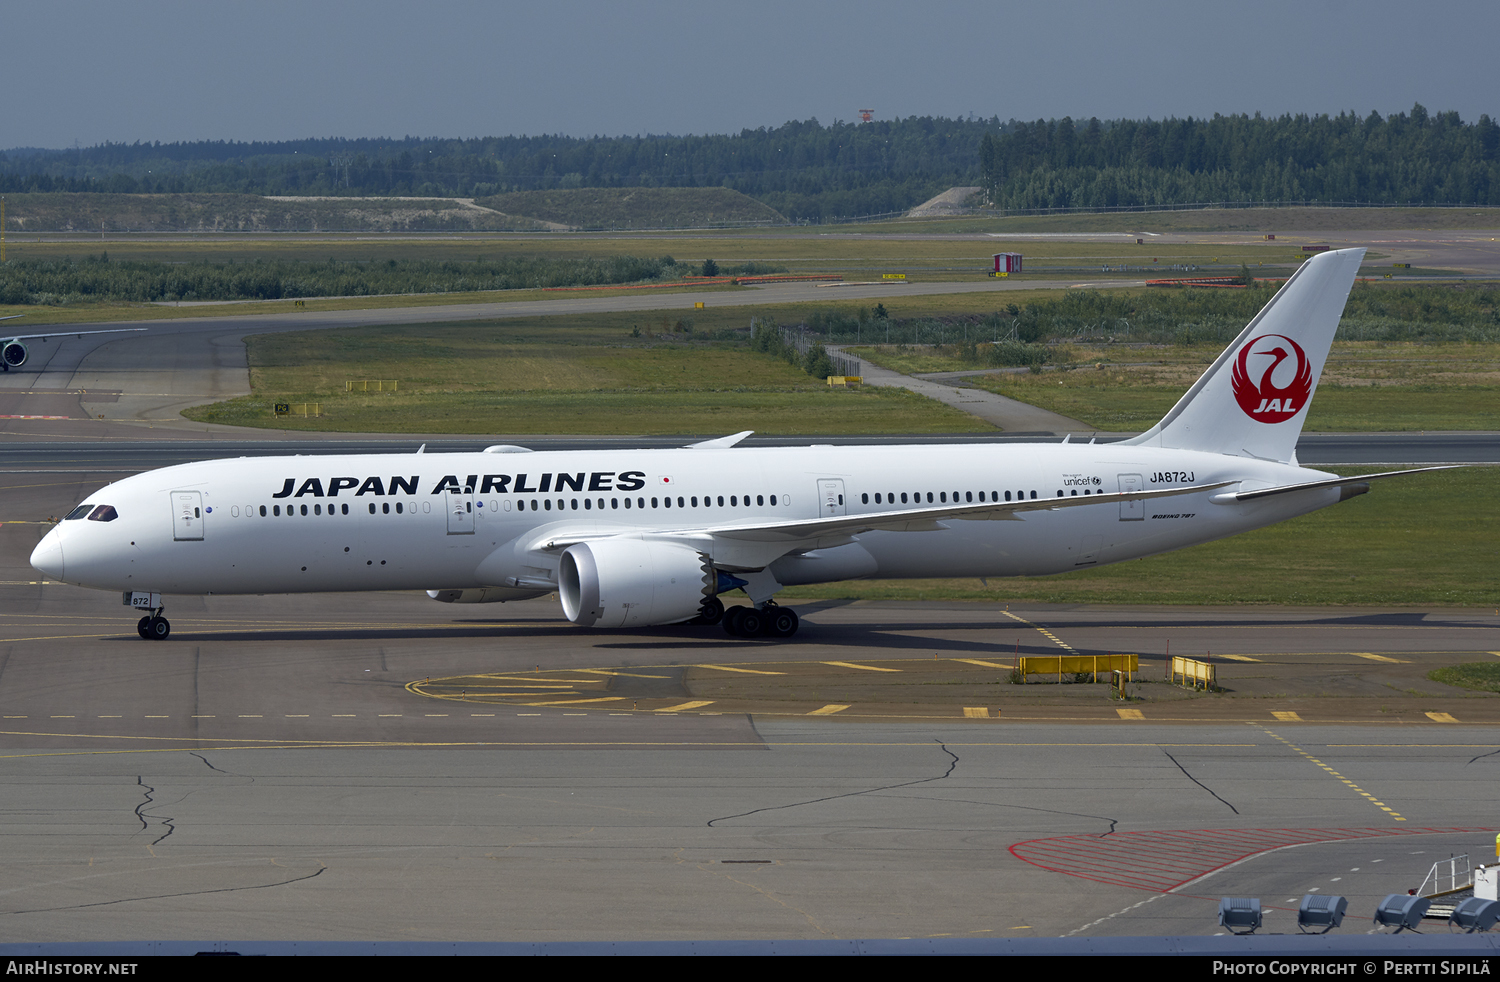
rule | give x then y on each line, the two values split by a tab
633	582
13	353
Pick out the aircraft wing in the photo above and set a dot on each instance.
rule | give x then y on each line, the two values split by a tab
58	334
903	520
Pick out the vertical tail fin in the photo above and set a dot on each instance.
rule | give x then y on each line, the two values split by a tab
1253	399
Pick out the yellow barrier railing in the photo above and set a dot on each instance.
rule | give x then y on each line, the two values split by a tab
846	380
363	385
1191	671
299	409
1060	665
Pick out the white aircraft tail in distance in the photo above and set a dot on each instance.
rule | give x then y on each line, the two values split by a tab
640	538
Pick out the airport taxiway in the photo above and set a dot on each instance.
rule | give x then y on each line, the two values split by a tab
285	767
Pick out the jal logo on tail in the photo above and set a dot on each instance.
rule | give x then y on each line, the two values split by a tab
1272	379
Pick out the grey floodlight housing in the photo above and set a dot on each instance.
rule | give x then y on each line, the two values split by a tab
1401	911
1240	912
1321	910
1475	915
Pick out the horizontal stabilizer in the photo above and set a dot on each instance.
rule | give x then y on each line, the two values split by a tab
1335	482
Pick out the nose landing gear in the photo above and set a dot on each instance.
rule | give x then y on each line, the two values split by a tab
154	627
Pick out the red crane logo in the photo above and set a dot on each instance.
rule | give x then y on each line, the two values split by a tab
1260	365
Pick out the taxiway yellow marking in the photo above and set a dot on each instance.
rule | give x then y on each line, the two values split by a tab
296	715
1441	718
1045	633
525	685
981	664
828	710
684	707
747	671
1371	657
976	712
1287	716
862	668
1239	658
1350	784
626	675
576	702
1131	714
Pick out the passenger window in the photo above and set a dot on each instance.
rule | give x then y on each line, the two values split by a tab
107	513
263	510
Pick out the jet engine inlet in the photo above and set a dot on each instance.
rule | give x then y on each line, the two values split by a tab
633	582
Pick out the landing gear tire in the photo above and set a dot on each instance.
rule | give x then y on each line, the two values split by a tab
154	628
731	621
752	622
781	622
712	612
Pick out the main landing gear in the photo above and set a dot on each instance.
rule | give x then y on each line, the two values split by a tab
768	620
154	627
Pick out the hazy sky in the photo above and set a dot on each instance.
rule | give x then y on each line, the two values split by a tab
271	70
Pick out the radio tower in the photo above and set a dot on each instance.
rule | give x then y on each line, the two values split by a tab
865	115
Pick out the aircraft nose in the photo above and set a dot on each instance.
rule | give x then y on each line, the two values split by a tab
48	555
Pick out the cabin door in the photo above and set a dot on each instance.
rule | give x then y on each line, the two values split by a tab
1132	511
460	512
831	498
187	515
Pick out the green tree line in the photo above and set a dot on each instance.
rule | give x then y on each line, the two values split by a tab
1399	159
808	171
98	278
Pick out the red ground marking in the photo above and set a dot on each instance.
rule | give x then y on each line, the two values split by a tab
1162	861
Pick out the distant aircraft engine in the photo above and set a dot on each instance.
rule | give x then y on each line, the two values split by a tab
13	354
633	582
483	595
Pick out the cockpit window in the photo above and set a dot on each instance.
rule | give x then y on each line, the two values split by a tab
78	512
104	513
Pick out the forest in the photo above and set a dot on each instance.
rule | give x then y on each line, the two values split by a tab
812	172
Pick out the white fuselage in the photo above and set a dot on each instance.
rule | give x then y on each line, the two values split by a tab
472	520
